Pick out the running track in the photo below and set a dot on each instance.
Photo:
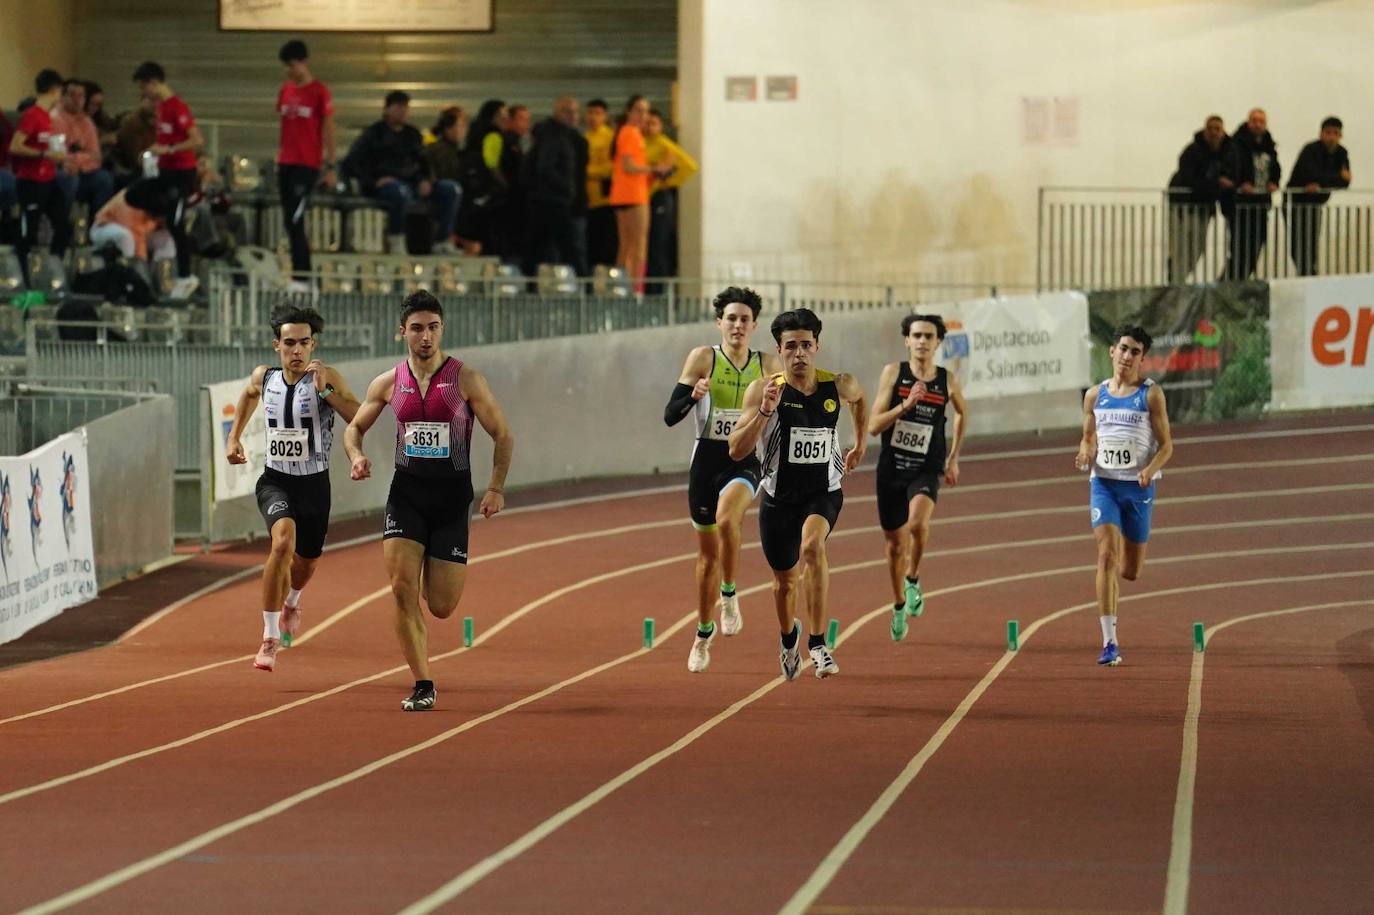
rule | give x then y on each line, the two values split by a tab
567	769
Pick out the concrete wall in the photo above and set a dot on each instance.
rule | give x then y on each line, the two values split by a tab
904	156
33	34
132	525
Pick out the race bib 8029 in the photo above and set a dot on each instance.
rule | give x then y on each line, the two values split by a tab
287	444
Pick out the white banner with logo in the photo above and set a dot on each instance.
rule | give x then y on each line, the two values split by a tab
1320	351
47	558
234	480
1017	345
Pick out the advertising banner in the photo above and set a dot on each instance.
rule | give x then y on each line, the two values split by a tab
47	558
1211	345
1321	329
235	480
1017	345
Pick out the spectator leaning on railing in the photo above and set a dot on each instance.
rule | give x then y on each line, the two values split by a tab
1322	164
1194	191
387	161
1252	170
90	184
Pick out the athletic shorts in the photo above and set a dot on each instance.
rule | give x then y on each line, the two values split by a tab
303	499
1125	504
780	525
895	495
708	478
433	511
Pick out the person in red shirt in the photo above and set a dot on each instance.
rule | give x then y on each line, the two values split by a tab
178	141
307	144
37	152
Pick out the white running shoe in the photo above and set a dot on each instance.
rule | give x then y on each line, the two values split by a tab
267	655
790	658
731	621
700	656
184	287
825	664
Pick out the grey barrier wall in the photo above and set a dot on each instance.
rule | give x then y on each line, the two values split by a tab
592	406
131	467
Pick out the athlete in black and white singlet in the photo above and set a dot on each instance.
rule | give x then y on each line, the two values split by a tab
915	443
802	456
300	425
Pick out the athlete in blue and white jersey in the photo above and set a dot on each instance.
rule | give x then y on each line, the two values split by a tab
1126	443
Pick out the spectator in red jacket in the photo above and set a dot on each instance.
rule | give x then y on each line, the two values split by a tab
178	141
37	152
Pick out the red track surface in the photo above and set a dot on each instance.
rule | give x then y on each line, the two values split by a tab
1056	791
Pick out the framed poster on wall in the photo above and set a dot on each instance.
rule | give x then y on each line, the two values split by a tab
356	15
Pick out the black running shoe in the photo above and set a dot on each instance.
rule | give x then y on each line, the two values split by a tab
422	700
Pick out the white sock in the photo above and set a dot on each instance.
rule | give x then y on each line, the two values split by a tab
293	598
1108	629
271	624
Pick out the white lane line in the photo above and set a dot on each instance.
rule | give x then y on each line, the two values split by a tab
1181	846
825	872
464	881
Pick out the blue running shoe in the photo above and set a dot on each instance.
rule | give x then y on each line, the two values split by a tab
1111	656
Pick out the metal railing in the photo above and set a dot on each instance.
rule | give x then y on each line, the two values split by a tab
178	366
1110	238
32	414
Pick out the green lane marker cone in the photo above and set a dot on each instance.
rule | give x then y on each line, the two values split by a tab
467	632
832	634
648	632
1013	635
1199	638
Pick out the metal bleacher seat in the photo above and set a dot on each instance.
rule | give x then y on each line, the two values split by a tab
505	279
557	279
85	260
11	273
125	318
611	281
47	274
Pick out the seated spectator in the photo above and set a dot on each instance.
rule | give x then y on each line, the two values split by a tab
137	134
1194	191
90	183
213	224
106	126
555	179
1322	164
132	220
387	161
663	153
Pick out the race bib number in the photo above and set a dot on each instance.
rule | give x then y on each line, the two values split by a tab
287	444
427	440
809	446
722	424
1117	454
912	437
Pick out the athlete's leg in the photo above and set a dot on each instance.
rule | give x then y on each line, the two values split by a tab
816	571
403	559
707	571
896	559
1108	538
733	503
444	583
918	526
276	573
302	570
785	598
1132	559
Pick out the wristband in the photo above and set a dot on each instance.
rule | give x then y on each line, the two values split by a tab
328	389
761	413
496	490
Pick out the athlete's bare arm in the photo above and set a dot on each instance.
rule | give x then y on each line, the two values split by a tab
472	384
956	398
885	412
696	375
760	402
852	393
248	402
343	400
1088	446
378	396
1159	423
772	365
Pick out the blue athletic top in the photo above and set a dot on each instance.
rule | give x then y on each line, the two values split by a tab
1125	438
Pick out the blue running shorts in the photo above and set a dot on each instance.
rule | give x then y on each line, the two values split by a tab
1125	504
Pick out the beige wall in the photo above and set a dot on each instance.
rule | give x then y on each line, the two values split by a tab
33	34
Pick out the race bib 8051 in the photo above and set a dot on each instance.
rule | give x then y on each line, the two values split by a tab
809	446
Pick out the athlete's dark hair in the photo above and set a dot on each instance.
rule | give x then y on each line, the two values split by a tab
46	80
738	294
148	71
396	97
287	313
293	51
1333	121
797	319
1136	333
598	103
938	321
420	300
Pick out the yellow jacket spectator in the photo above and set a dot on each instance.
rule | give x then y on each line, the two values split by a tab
659	149
602	239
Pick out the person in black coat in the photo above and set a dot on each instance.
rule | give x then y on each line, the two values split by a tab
1251	169
555	183
1322	164
1194	191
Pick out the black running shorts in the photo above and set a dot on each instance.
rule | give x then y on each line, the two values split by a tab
711	472
304	499
780	525
433	511
895	495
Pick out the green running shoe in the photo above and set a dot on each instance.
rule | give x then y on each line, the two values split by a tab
915	603
898	623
